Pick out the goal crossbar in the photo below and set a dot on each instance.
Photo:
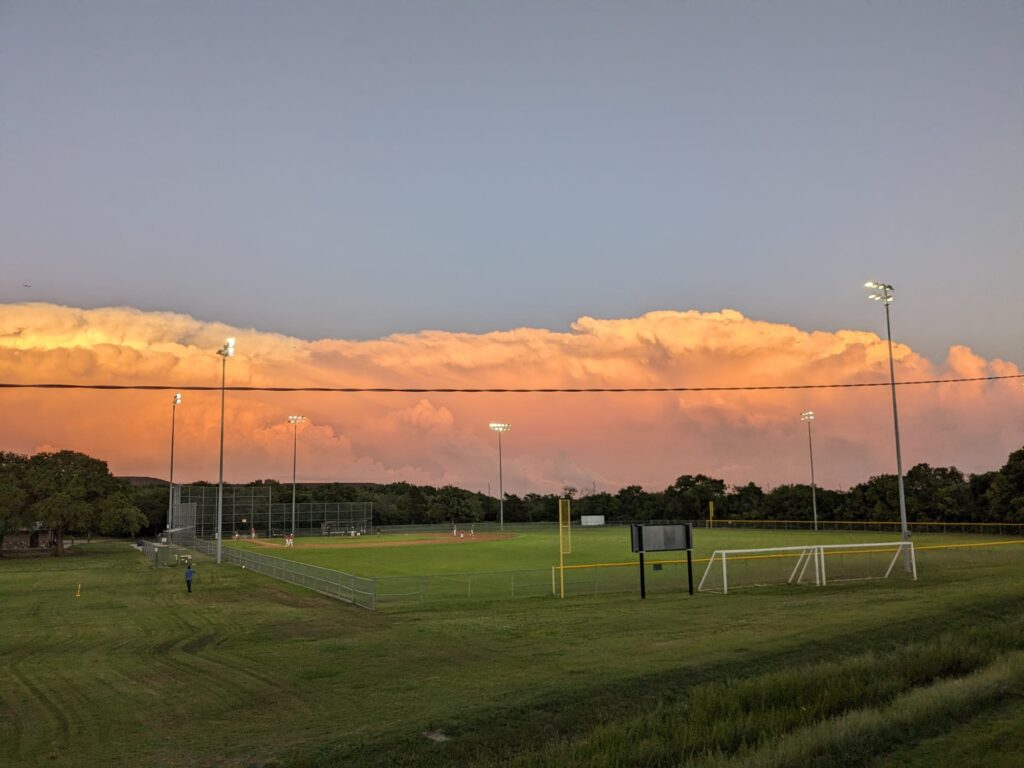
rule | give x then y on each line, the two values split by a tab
810	560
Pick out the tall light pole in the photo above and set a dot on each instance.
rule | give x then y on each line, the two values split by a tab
175	402
228	350
294	421
500	427
808	416
884	295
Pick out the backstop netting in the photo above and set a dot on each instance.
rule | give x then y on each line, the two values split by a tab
250	511
341	518
816	565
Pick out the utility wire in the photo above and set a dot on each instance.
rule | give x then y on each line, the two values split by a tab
502	390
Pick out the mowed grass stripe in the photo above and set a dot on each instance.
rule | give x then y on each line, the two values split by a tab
699	711
247	669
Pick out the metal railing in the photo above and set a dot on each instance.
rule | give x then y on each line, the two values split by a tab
357	590
149	550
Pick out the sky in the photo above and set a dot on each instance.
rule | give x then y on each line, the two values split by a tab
439	176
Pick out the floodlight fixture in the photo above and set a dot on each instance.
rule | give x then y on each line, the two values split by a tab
808	416
885	295
499	427
175	402
228	350
884	292
294	421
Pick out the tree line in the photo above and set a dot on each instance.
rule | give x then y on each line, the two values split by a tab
65	493
942	494
71	493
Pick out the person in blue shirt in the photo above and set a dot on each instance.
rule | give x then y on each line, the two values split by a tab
189	575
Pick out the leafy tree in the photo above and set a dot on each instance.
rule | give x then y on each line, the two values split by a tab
151	501
877	500
938	493
599	504
117	515
515	509
689	496
455	504
744	502
979	485
789	502
637	504
13	498
539	507
1005	496
69	492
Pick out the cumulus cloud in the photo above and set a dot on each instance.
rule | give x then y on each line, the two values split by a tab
607	440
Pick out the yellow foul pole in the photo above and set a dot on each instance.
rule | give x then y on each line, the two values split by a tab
562	509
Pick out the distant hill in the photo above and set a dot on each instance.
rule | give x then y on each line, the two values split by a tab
142	481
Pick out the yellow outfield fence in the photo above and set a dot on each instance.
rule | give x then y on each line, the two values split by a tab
975	545
929	526
594	581
918	547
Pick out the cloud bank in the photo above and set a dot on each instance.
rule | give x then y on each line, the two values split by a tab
585	440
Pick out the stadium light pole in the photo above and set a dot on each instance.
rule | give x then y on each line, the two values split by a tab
883	293
500	427
294	421
808	416
228	350
175	402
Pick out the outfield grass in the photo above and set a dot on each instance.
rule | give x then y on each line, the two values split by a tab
248	671
523	551
413	569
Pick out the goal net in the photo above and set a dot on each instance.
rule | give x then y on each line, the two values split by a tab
817	565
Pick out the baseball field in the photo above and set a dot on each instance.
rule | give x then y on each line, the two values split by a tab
106	660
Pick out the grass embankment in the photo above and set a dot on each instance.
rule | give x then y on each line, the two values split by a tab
249	671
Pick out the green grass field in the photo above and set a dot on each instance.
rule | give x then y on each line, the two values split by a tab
248	671
528	550
414	568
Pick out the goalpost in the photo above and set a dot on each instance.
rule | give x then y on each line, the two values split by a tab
814	564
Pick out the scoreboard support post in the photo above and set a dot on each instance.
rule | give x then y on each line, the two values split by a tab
662	538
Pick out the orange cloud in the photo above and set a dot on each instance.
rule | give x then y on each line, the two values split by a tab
607	440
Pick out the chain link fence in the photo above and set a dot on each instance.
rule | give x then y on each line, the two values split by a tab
357	590
247	510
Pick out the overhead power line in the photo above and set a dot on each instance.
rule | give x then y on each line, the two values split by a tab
501	390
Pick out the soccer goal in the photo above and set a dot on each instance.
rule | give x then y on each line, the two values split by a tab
816	564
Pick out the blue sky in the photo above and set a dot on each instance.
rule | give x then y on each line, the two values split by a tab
362	168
